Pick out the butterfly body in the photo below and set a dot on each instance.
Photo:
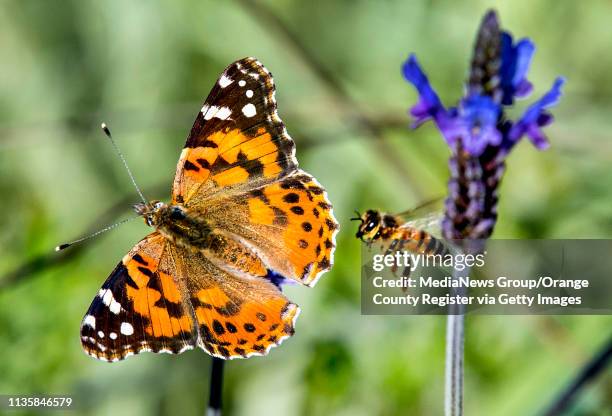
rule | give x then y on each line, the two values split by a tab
185	228
189	229
242	219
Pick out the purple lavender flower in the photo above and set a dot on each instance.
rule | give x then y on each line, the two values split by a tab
535	118
477	130
514	65
477	121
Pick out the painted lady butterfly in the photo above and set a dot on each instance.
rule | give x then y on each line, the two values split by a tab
243	218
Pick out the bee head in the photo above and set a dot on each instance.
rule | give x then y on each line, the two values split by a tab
369	227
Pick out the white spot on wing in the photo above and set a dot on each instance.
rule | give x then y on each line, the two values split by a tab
224	81
127	328
249	110
88	339
101	334
222	113
210	112
115	307
109	300
112	335
249	93
90	320
242	83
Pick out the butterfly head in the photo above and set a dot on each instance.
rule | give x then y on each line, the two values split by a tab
155	213
150	212
370	227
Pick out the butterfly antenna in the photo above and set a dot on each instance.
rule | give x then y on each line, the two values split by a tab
106	131
103	230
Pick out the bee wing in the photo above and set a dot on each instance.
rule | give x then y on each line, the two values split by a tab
425	216
429	223
431	206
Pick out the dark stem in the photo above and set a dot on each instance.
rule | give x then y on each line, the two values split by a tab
216	387
595	366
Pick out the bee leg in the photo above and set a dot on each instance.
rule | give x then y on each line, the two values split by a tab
406	274
390	250
401	244
394	270
391	247
397	246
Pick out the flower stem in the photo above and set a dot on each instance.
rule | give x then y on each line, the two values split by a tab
455	326
216	388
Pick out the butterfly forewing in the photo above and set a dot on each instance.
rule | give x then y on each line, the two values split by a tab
237	140
140	307
241	169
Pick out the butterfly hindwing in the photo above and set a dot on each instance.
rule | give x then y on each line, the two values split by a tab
296	218
237	140
140	307
289	223
238	315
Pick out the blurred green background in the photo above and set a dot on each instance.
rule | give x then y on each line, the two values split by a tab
145	67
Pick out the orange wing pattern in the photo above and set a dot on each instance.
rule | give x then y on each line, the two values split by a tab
289	224
140	307
237	140
299	224
238	316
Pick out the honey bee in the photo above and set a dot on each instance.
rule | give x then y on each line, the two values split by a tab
397	234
